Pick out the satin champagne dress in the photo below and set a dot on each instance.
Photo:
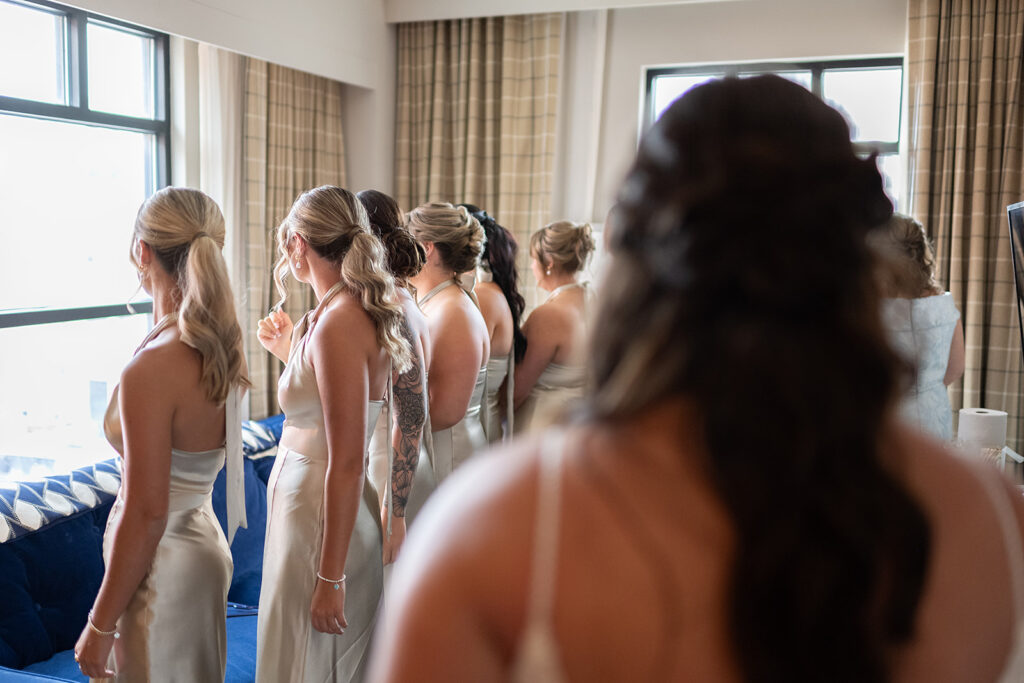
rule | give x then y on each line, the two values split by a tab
444	450
173	628
498	422
289	649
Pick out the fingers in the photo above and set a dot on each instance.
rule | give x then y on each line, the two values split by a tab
328	622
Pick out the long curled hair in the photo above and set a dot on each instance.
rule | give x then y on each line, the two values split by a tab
405	255
742	279
185	230
334	224
499	258
455	234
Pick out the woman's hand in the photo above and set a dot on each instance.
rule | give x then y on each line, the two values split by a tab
92	652
328	608
275	334
392	543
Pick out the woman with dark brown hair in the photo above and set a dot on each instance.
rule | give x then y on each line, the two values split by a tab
739	501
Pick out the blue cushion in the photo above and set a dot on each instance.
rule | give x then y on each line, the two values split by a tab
49	579
12	676
62	666
247	547
241	632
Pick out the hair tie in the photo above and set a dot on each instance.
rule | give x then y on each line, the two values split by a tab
198	235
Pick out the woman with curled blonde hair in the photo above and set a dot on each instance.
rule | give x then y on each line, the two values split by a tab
174	419
923	323
460	343
550	376
324	540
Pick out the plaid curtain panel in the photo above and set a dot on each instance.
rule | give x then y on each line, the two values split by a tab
965	75
292	142
476	118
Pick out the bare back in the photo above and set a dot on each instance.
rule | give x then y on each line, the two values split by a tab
497	316
646	598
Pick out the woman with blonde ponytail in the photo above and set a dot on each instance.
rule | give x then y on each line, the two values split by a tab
460	342
322	568
175	421
550	377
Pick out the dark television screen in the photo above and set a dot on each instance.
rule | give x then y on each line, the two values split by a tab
1015	215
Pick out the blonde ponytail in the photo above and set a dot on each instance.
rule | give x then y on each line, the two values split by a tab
365	275
185	229
333	223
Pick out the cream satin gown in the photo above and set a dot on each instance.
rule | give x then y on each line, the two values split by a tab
289	649
173	628
445	450
557	388
498	368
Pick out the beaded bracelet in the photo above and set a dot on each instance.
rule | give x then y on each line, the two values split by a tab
337	584
115	632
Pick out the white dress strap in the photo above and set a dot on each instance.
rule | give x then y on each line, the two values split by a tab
510	390
546	524
433	292
234	464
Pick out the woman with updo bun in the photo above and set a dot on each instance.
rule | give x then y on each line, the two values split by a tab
405	257
460	345
322	569
175	421
497	291
923	324
550	377
737	500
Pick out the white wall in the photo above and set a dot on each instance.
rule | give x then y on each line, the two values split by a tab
420	10
745	30
339	39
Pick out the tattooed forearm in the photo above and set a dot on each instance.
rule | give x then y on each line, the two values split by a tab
410	416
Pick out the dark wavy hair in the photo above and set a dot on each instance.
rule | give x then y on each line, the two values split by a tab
405	255
741	278
500	258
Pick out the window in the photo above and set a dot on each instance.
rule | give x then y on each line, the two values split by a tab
84	131
868	92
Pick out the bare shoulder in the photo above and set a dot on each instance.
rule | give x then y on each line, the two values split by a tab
166	361
344	319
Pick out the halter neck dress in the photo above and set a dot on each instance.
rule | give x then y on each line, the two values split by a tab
173	627
557	387
446	449
288	648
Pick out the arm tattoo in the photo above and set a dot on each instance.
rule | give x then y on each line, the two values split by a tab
410	416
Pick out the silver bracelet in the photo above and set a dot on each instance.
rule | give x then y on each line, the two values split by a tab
337	584
115	632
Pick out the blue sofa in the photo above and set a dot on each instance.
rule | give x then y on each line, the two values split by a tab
51	564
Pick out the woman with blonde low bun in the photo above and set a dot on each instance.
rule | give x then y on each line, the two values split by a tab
322	564
174	419
550	376
453	241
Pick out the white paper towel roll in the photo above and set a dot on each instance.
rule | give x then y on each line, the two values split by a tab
982	428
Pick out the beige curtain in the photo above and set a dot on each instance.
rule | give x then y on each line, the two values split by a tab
477	105
292	142
966	113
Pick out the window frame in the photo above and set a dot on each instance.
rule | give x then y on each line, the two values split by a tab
816	67
74	62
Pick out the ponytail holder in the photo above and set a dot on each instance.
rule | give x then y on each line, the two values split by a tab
198	235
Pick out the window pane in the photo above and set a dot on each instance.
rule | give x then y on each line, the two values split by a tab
120	71
892	170
51	414
666	89
870	100
74	189
799	77
31	54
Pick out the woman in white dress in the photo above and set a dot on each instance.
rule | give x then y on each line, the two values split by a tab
497	292
174	419
322	568
738	500
923	324
550	377
405	258
460	344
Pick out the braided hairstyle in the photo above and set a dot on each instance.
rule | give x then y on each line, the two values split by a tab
743	280
499	257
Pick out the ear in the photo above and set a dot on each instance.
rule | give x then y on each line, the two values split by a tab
143	253
297	246
428	250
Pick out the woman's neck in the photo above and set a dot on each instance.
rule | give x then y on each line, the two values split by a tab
322	276
166	300
556	280
428	278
